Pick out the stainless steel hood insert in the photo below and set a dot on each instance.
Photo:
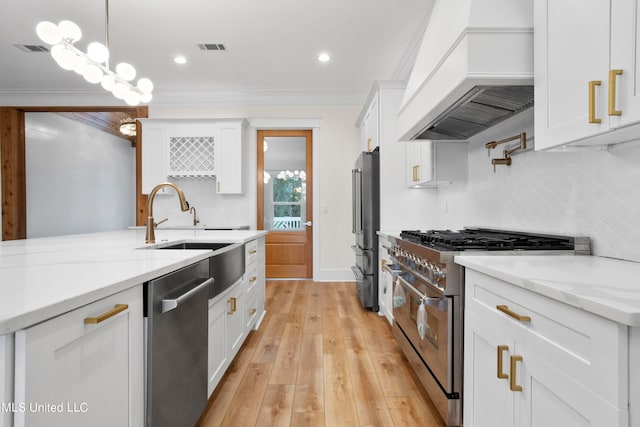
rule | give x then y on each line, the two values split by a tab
481	108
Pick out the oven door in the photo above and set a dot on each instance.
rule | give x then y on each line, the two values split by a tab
435	349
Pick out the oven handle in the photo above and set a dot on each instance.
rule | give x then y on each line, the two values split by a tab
359	251
427	300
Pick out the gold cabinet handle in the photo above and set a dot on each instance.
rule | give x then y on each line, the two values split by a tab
506	310
501	349
513	384
104	316
253	279
253	311
612	92
232	302
416	173
253	251
592	101
369	144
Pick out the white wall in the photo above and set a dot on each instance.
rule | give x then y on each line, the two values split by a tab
79	179
592	193
335	151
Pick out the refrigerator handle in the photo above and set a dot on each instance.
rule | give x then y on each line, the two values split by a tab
356	177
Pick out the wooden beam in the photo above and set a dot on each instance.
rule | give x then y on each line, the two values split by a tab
12	153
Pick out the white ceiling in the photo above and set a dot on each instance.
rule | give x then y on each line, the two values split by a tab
271	56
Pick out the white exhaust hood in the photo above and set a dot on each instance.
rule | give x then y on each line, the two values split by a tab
474	69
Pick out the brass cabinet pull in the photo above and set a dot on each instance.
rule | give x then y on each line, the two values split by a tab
416	173
369	144
104	316
253	279
253	251
509	312
612	92
232	302
513	384
501	349
592	101
253	311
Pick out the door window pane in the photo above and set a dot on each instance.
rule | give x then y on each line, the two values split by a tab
285	183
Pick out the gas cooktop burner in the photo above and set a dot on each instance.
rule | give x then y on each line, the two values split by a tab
486	240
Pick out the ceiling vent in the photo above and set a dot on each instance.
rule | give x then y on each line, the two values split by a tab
212	46
31	48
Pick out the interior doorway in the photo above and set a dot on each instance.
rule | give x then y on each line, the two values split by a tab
285	206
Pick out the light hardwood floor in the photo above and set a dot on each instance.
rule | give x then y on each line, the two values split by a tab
319	359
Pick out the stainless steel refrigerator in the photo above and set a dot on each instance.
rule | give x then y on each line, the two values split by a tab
366	223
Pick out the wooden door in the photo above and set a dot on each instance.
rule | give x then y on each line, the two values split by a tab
285	201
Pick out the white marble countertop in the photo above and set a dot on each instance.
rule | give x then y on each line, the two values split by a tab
45	277
604	286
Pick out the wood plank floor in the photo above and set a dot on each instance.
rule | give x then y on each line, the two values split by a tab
319	359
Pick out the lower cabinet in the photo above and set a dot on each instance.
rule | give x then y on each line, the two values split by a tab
385	287
233	314
532	361
84	367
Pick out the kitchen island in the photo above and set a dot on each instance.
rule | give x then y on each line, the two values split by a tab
58	281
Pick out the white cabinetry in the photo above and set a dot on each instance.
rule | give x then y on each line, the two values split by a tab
385	285
84	367
154	155
369	127
6	379
430	164
229	156
533	361
580	98
234	313
194	149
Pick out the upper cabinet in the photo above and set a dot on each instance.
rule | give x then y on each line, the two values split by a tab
431	164
586	73
193	149
378	119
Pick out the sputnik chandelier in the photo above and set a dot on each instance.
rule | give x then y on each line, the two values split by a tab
94	64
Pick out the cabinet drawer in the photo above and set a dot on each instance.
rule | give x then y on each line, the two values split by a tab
89	360
587	348
251	253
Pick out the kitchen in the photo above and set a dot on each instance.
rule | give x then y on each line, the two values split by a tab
582	192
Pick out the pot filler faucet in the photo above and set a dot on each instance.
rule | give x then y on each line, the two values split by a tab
184	205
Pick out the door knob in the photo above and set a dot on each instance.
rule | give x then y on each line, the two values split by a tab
308	223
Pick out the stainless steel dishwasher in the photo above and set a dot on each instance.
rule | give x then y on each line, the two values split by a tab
176	310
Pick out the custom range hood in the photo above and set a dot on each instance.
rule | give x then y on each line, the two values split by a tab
473	69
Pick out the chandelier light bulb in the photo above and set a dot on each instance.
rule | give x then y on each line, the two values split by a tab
126	71
70	31
145	85
132	98
145	97
108	82
56	51
92	74
68	59
120	90
81	65
48	32
98	52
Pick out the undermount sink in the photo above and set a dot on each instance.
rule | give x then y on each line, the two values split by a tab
226	265
197	245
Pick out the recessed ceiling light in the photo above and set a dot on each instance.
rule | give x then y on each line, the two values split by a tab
180	59
324	57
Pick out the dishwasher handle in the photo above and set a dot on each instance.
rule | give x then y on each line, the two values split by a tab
171	304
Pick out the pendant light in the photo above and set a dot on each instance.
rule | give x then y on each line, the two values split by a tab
93	64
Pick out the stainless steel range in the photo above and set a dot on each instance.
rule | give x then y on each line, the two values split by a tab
429	277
